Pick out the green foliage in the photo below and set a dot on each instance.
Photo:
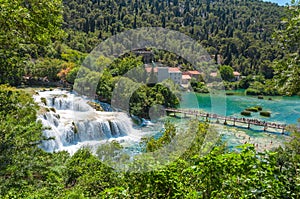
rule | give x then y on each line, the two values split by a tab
165	94
199	87
235	33
251	91
287	70
71	76
250	177
87	173
105	86
262	87
167	136
26	29
204	170
121	66
226	73
231	85
71	55
245	82
46	67
25	170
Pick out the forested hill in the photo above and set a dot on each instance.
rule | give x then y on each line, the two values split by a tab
238	30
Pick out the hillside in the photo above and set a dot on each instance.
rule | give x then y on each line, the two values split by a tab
239	31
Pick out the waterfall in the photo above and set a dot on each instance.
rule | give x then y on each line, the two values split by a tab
71	122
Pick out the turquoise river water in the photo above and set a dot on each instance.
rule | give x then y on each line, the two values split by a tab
284	110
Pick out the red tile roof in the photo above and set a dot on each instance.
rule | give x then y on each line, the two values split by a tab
186	77
170	70
148	69
194	72
235	73
174	70
215	74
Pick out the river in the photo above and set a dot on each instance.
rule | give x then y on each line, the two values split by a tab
284	110
74	124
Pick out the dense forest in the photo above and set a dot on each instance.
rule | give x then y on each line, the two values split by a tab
48	42
238	31
241	34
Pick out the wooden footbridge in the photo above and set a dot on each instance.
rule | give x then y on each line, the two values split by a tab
234	120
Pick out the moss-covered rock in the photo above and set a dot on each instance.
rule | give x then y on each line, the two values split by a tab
75	129
258	108
246	113
265	113
96	106
252	109
44	101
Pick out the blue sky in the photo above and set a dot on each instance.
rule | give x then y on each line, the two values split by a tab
280	2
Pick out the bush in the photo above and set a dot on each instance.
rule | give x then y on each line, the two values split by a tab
265	113
199	87
260	97
252	91
246	113
229	93
53	109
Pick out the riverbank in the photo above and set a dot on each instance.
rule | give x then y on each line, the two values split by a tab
234	136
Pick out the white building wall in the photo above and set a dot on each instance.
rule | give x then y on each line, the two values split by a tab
162	74
176	77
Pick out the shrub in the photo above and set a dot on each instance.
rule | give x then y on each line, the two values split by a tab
260	97
53	109
246	113
252	91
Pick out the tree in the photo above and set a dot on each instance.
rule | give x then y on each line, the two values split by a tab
20	135
26	27
287	70
226	73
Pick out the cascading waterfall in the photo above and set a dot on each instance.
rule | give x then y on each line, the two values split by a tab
72	123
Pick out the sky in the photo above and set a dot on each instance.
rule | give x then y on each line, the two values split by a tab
280	2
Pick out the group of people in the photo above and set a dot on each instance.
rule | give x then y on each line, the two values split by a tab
263	123
245	120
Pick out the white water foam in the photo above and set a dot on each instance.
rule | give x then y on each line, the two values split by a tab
74	124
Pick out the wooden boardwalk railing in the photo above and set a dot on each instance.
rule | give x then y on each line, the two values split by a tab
235	120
